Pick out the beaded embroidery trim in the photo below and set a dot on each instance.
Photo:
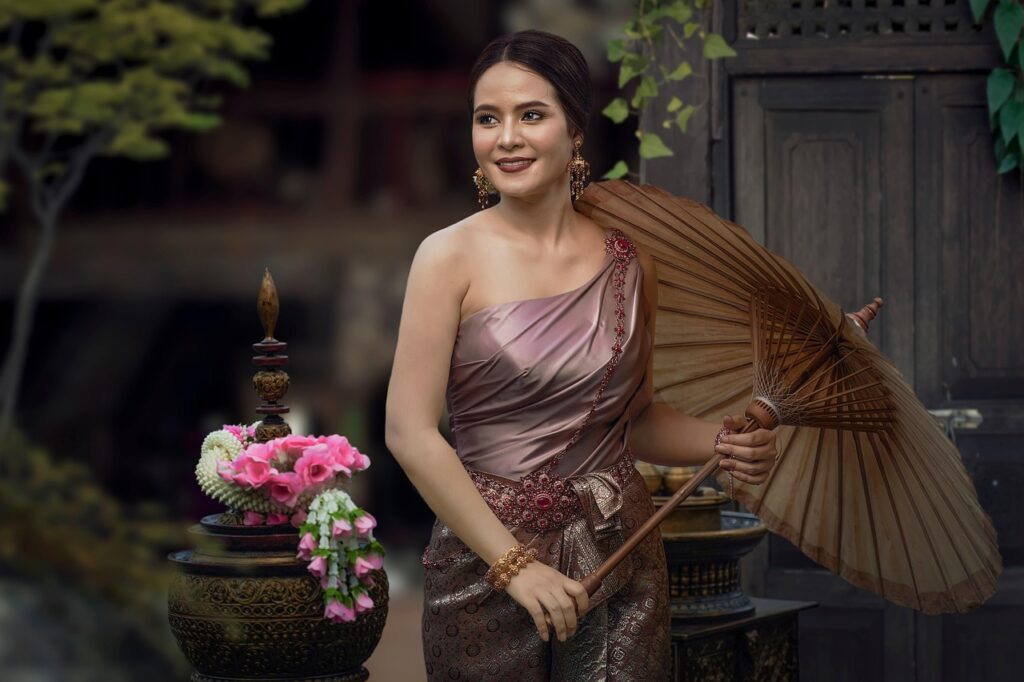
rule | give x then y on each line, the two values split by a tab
542	500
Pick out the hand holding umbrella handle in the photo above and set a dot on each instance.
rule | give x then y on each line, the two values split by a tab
592	582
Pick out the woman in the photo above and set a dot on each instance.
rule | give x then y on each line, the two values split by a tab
546	368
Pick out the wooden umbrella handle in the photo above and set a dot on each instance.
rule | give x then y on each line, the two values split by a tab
592	582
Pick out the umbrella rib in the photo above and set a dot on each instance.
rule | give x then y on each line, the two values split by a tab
692	313
811	488
871	513
706	375
726	401
691	344
956	547
839	489
920	518
877	449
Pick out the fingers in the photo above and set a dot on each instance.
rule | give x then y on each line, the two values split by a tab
579	593
537	613
557	614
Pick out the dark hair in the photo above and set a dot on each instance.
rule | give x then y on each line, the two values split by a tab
550	56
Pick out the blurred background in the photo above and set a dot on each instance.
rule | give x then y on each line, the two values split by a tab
348	146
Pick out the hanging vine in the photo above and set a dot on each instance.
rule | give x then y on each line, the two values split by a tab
637	55
1005	86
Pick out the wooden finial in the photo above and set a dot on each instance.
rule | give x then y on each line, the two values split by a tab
864	316
267	305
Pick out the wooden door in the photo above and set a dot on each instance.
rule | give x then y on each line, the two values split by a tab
822	168
969	334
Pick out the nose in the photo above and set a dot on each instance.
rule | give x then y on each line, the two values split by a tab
509	138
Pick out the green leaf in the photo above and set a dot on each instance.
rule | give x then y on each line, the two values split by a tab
1000	85
978	9
651	146
683	117
680	72
690	28
617	171
617	110
666	124
715	47
1008	19
647	89
1009	162
616	50
1010	118
680	11
674	104
632	66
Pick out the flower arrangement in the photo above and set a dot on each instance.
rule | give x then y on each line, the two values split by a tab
298	480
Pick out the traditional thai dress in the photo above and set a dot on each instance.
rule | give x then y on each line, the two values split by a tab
541	396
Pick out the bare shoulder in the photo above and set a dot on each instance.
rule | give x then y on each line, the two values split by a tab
442	258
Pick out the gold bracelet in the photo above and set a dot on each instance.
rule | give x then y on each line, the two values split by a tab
500	574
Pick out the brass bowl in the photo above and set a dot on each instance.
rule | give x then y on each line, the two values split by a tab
244	608
677	477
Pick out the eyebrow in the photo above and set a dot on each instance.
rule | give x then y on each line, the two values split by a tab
532	103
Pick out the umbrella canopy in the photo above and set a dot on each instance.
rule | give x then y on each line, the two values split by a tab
867	484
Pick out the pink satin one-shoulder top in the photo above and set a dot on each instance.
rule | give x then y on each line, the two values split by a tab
525	374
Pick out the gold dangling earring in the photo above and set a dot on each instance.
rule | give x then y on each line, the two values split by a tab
483	187
579	172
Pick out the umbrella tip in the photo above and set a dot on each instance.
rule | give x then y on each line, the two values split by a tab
864	316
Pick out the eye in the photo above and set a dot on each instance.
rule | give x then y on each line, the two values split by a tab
480	119
537	113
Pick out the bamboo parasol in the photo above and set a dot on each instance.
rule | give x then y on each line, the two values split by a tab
866	484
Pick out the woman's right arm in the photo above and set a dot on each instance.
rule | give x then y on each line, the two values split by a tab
416	392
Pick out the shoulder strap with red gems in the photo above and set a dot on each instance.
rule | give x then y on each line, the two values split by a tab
619	247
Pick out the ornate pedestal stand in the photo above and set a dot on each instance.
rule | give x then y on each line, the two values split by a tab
243	607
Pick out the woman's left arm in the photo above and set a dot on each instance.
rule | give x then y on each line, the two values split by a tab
661	434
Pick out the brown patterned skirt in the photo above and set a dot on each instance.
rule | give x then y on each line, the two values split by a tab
472	632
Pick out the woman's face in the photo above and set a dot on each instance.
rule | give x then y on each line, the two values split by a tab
517	115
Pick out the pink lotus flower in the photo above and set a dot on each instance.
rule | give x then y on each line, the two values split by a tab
364	524
367	580
370	563
299	518
315	465
363	603
338	612
317	567
341	529
306	546
253	472
253	519
285	488
274	519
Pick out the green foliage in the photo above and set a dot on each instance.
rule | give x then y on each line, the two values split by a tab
1005	87
118	73
637	52
59	521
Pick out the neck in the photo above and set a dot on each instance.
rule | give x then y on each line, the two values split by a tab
547	217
